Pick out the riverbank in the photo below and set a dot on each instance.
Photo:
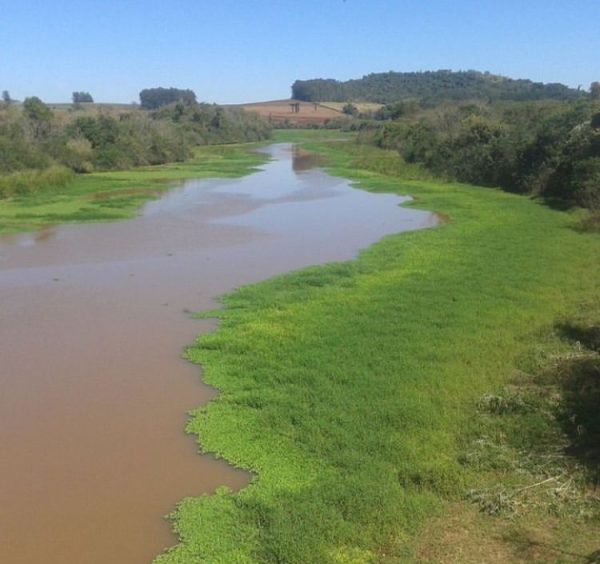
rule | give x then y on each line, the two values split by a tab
111	196
354	391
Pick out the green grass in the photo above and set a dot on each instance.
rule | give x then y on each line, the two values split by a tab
110	196
352	390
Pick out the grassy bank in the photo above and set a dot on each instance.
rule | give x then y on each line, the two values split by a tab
354	391
108	196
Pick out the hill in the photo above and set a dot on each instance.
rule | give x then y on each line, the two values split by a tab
430	86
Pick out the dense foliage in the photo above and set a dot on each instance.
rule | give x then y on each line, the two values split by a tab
33	137
429	87
152	98
548	148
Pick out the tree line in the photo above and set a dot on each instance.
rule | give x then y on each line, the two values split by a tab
430	87
33	137
153	98
546	148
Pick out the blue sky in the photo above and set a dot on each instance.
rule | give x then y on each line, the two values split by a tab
253	50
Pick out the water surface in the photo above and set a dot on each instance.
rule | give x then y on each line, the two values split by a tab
93	392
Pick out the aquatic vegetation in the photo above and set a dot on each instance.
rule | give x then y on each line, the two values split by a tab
351	390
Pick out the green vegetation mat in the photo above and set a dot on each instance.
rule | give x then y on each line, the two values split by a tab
352	391
109	196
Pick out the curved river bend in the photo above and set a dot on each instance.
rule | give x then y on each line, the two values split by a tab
93	392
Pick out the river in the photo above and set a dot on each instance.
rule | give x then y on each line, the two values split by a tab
93	320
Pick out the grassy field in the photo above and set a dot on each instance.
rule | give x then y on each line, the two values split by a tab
110	196
402	406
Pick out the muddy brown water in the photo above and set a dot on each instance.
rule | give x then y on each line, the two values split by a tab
93	390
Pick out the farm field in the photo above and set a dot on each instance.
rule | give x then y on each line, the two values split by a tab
282	111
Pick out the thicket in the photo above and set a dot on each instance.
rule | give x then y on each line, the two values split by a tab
36	142
430	87
546	148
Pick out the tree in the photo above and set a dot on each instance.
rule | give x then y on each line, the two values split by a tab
36	110
153	98
6	97
595	90
82	97
39	115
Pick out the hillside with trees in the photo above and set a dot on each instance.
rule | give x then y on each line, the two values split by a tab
430	87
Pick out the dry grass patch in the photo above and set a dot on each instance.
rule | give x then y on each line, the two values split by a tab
462	534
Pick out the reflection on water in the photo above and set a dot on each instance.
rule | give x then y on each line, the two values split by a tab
304	160
93	392
44	234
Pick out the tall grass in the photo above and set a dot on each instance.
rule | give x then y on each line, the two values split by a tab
27	182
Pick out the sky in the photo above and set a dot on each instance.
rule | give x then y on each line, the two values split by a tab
253	50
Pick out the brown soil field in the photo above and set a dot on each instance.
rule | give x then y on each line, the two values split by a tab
294	112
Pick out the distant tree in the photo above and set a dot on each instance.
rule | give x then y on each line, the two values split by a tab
153	98
82	97
595	90
6	97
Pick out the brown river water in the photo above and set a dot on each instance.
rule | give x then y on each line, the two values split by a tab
93	390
